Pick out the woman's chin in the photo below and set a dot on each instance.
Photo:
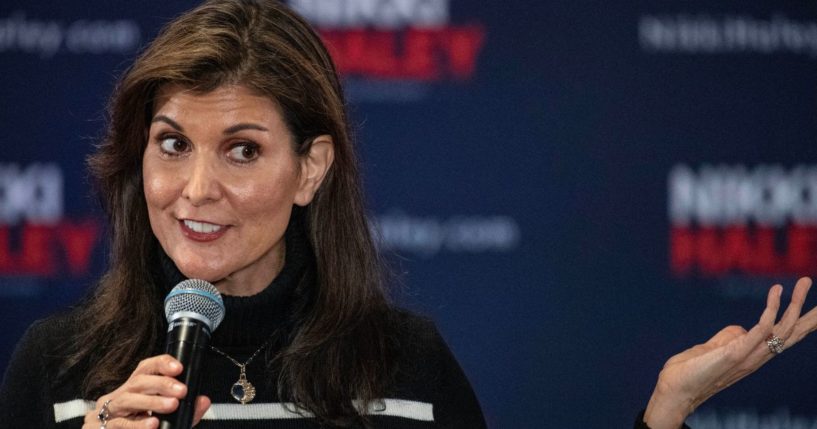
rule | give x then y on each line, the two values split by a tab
208	275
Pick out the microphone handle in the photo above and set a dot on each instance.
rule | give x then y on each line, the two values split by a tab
187	341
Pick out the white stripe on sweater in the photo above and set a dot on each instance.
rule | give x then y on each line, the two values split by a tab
72	409
413	410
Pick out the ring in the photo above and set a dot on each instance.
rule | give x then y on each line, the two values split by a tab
104	414
775	344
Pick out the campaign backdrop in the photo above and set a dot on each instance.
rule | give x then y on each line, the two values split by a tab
574	191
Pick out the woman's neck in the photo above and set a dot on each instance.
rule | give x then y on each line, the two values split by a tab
254	278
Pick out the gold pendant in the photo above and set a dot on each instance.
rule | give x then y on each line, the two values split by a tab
243	391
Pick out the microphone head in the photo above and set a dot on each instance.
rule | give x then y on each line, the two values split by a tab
197	299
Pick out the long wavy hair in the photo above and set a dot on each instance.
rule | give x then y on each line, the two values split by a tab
340	351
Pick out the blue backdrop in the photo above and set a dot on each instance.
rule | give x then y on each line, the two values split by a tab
575	191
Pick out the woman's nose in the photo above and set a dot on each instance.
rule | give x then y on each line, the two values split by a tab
202	184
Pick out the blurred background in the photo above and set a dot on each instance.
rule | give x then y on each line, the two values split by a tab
574	191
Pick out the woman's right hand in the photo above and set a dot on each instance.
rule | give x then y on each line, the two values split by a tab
150	389
693	376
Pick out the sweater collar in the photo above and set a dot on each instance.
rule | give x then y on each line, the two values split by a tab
249	321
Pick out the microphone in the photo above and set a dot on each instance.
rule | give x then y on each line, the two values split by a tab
194	309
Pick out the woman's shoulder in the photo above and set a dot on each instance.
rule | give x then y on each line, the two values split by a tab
414	330
429	372
49	339
412	321
422	348
55	326
29	386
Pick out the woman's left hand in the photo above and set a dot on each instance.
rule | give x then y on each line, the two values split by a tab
694	375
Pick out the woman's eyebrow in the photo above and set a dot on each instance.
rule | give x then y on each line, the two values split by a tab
231	130
171	122
244	126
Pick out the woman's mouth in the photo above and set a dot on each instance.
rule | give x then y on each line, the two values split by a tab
201	231
202	227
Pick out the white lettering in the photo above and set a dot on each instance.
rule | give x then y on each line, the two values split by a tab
98	37
428	236
46	37
33	194
412	234
734	195
481	234
373	13
31	36
750	419
704	34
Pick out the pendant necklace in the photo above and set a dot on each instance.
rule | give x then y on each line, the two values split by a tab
243	391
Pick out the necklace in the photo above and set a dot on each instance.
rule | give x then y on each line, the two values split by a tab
243	391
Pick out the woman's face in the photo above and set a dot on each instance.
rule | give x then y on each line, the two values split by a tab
220	179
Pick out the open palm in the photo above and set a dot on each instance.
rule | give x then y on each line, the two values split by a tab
694	375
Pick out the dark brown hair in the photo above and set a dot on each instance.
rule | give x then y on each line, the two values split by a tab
340	352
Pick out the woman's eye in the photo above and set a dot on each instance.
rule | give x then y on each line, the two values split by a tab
244	152
172	145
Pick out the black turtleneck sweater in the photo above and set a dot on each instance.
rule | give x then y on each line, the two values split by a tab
430	391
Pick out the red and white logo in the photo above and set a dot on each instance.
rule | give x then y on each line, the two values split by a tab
36	239
396	40
734	219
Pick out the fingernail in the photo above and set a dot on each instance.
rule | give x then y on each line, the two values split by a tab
178	387
174	365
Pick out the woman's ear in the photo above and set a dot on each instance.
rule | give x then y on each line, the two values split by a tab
314	166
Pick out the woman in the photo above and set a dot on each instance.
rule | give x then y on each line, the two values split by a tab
693	376
228	159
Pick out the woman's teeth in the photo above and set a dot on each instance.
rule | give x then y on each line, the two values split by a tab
201	227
